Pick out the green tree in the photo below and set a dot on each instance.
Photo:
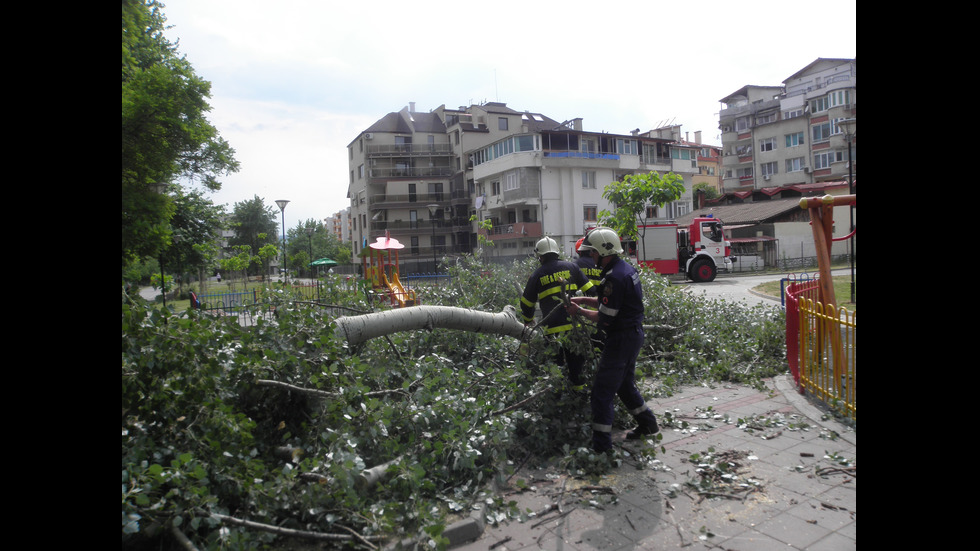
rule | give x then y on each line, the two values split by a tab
631	196
165	133
196	223
255	226
324	244
708	191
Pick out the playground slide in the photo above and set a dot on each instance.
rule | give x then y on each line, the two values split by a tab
398	294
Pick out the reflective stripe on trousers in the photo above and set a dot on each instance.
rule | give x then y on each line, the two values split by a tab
616	376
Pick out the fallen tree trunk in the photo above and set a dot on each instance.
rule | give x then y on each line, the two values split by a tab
358	329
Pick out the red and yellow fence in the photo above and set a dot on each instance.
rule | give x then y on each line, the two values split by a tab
821	346
821	339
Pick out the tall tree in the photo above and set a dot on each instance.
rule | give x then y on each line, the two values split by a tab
165	134
255	226
323	243
196	224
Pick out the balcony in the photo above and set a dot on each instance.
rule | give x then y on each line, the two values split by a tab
405	200
401	150
663	163
517	230
415	172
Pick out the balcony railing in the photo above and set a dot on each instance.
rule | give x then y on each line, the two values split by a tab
526	230
420	172
421	199
410	149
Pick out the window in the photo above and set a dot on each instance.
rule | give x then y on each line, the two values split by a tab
589	213
652	212
839	98
765	119
495	188
794	165
588	179
794	140
435	191
792	114
819	104
511	181
768	169
767	144
821	132
360	172
824	159
626	147
502	123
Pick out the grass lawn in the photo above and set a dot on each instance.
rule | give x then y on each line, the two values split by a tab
213	287
842	290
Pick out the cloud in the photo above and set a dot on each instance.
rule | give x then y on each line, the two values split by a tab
294	82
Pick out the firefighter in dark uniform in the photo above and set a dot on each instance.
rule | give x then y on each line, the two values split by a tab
591	271
619	315
545	286
585	262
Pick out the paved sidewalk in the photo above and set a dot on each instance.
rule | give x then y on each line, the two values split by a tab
792	484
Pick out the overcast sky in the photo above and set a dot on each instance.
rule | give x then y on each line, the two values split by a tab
295	81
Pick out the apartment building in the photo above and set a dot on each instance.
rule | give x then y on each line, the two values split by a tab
340	225
774	136
431	179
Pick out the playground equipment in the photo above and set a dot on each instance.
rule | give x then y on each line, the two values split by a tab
821	211
827	334
382	272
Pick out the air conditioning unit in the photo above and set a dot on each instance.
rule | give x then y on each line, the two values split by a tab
806	169
368	136
766	177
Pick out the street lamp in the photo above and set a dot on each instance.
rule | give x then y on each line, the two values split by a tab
309	237
432	220
849	126
282	208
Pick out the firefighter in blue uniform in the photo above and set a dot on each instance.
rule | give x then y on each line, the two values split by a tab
585	262
545	286
619	317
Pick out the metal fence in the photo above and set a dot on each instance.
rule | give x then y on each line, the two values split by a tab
821	347
254	303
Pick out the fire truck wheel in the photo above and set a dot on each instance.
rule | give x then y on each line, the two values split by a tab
703	270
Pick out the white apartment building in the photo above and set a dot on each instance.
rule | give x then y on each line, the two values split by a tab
774	136
429	179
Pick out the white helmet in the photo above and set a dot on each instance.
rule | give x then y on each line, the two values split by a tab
605	241
546	245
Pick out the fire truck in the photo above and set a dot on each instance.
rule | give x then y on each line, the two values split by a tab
697	251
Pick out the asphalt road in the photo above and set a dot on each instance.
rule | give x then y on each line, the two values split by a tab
734	288
739	287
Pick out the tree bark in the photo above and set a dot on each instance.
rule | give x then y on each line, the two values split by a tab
358	329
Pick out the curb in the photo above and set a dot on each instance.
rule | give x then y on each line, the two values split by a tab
816	414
